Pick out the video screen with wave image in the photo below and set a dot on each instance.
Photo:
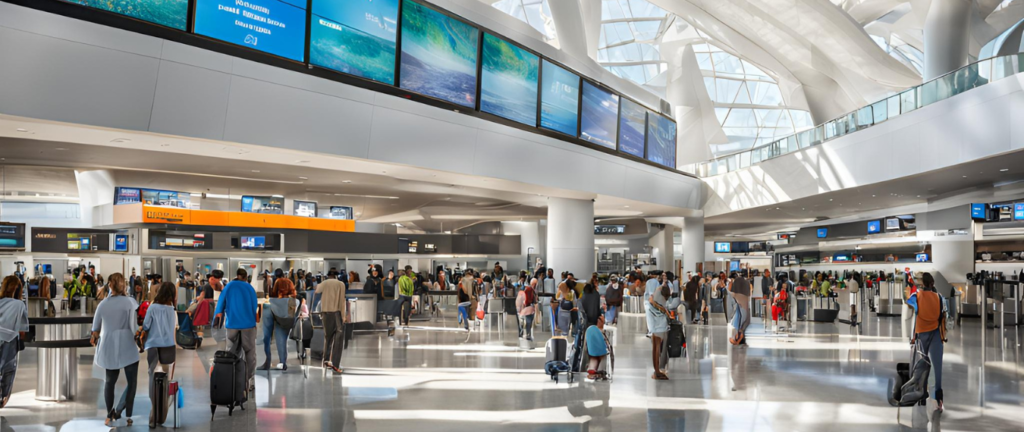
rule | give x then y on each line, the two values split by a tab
508	82
661	140
559	99
600	115
439	55
170	13
631	128
276	27
356	37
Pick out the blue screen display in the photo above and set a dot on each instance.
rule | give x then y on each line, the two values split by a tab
1018	211
120	243
923	257
874	227
559	99
438	55
259	242
722	247
508	81
276	27
822	232
978	211
170	13
357	37
599	116
661	140
632	123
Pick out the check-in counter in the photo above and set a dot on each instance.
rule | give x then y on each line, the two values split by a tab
58	338
364	309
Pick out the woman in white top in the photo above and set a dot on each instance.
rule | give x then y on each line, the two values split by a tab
113	334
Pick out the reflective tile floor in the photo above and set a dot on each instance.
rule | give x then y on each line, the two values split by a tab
821	377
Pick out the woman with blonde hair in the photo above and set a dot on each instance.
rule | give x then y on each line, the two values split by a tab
13	325
113	335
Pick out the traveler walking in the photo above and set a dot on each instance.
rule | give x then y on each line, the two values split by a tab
113	335
657	326
373	284
13	328
613	299
158	334
467	298
690	293
526	303
332	312
740	290
565	303
930	330
591	304
389	284
767	283
283	288
406	289
236	311
854	286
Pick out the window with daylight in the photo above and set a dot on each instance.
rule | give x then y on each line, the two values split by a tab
631	31
536	13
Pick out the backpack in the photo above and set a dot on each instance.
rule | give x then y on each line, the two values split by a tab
143	308
529	297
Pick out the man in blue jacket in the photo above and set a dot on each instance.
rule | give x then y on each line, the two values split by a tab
236	310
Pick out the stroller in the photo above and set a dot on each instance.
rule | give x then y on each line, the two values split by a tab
577	356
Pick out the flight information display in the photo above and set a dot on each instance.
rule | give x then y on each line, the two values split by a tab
276	27
559	99
357	37
170	13
661	140
508	81
599	117
439	55
631	128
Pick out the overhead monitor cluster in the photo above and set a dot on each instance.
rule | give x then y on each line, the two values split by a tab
419	48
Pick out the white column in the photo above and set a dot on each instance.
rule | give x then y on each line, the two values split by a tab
693	242
571	28
571	236
662	243
95	189
946	36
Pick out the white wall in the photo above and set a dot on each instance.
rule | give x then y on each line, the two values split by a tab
74	71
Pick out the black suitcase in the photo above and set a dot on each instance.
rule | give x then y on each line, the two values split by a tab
676	339
227	381
161	405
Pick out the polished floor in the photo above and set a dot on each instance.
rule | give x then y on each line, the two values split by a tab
821	377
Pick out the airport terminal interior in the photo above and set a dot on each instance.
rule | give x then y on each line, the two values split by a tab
511	215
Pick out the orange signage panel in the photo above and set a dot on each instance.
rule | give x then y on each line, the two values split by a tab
169	215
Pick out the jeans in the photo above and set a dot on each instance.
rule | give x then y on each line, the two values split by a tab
8	366
931	344
127	404
612	314
334	337
280	335
464	313
694	312
406	308
525	322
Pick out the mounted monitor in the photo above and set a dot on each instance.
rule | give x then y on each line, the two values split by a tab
1018	211
609	229
304	208
723	247
263	204
439	55
822	233
874	227
632	127
355	37
12	236
922	257
979	212
508	81
892	224
341	212
275	27
559	99
253	243
661	140
120	243
169	13
599	116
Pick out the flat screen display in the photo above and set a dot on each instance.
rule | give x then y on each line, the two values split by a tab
661	140
170	13
841	258
922	257
892	224
12	236
304	208
508	81
120	243
600	115
74	245
1018	211
254	242
979	212
126	195
341	212
723	247
632	122
874	227
609	229
275	27
263	204
438	55
559	99
356	37
782	236
152	197
822	232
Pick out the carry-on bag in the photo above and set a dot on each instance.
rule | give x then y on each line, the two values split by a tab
555	349
676	339
228	380
161	402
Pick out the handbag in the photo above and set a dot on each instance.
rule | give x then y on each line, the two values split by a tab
140	340
565	305
287	322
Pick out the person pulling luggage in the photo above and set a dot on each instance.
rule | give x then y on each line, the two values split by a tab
158	335
930	330
332	312
236	311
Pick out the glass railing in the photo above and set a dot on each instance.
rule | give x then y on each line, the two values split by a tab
941	88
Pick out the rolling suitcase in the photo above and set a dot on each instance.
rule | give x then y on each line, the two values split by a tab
555	349
676	339
228	381
161	399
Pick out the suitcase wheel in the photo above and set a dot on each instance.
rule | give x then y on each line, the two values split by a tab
230	410
213	411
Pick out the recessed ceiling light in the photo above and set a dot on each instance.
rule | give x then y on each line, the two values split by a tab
965	176
1004	170
346	181
303	178
22	130
120	140
255	171
872	196
625	206
60	149
776	208
830	199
